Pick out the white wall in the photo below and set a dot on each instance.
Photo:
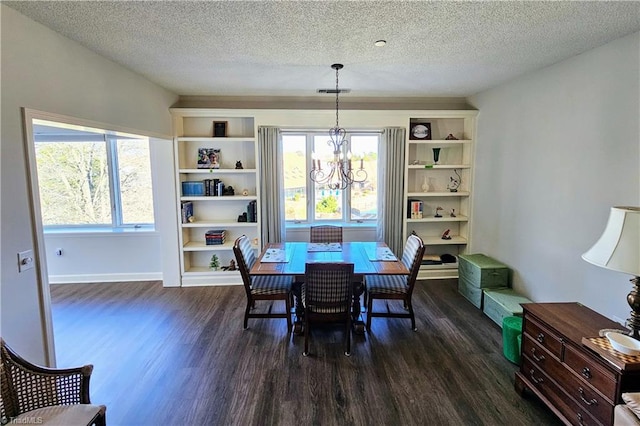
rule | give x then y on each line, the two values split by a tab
45	71
556	149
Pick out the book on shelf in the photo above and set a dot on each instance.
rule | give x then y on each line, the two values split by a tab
215	237
414	209
187	211
208	158
252	211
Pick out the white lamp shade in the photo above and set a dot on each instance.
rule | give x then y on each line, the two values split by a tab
618	248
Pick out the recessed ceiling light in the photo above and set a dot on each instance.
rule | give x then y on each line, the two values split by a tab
380	43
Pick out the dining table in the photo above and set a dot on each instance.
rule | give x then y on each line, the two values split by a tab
290	258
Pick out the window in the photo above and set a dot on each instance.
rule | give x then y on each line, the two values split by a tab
91	178
307	201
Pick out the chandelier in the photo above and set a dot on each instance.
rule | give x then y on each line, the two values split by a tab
337	172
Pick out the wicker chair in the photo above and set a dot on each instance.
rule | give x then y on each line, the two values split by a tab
258	287
325	234
327	297
397	286
38	395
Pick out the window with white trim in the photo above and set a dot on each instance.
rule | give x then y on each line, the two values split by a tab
308	202
92	179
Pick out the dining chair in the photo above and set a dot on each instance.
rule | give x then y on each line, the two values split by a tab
399	287
261	287
325	234
333	234
35	394
327	297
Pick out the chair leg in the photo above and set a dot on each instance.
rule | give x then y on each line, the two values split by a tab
306	336
348	331
369	310
246	314
413	318
287	303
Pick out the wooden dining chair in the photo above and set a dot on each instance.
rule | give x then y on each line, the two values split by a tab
325	234
399	287
261	287
327	297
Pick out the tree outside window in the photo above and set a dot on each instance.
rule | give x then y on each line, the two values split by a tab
92	179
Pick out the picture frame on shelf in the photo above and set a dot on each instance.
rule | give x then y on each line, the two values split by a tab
419	130
219	129
208	158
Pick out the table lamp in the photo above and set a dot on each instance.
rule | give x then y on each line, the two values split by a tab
618	249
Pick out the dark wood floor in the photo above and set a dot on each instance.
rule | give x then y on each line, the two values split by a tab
179	356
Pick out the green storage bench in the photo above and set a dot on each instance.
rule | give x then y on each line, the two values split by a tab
502	303
477	272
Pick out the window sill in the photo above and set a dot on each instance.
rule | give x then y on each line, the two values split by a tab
97	232
354	225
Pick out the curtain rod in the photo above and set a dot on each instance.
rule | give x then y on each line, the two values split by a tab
306	130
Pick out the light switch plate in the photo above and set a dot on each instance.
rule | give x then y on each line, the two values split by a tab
25	260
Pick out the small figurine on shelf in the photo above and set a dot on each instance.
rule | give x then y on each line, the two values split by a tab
453	212
438	210
232	265
239	165
445	235
215	262
454	183
228	190
451	137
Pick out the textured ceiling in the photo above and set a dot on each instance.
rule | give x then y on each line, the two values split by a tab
285	48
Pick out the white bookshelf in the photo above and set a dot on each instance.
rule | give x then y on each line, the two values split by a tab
193	130
429	183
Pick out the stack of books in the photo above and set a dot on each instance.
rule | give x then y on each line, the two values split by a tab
215	237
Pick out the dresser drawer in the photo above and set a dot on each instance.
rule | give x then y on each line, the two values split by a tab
591	372
541	357
558	398
482	271
543	336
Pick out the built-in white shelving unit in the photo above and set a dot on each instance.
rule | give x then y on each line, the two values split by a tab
430	184
194	131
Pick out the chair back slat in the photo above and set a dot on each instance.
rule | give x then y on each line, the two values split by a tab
325	234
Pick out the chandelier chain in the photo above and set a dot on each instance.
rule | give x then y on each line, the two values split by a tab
337	93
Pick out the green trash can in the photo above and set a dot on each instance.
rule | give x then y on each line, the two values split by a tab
511	338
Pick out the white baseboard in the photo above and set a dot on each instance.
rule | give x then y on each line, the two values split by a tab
104	278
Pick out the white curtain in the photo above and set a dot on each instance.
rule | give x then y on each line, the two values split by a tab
271	185
391	185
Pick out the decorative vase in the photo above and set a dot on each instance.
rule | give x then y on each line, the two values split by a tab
436	155
425	185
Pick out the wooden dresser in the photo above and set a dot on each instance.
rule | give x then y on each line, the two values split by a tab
578	380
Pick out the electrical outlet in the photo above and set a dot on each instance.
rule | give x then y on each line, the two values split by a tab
25	260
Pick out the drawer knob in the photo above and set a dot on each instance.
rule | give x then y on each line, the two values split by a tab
586	373
533	378
582	397
540	338
537	358
580	420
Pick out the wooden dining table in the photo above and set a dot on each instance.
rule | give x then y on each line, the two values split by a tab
290	258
